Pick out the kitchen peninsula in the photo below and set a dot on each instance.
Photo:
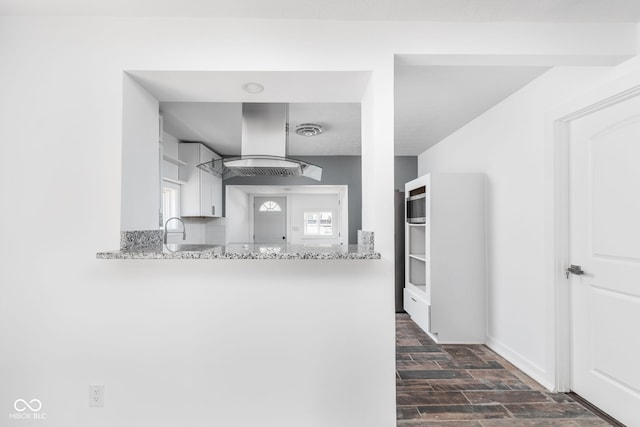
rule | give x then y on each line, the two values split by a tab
228	339
245	251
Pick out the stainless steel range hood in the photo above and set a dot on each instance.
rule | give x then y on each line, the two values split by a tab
264	147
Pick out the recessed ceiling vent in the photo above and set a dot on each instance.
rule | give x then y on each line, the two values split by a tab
309	129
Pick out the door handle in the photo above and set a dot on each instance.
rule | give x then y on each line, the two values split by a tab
574	269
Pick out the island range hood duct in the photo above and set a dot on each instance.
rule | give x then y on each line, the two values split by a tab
264	147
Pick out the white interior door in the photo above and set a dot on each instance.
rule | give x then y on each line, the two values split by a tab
605	243
270	220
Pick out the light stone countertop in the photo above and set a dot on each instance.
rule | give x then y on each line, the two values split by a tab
246	251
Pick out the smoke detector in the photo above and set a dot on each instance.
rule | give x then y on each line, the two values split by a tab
309	129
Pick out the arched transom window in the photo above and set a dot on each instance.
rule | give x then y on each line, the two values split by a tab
270	206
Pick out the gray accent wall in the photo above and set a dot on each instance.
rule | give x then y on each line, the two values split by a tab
337	170
405	170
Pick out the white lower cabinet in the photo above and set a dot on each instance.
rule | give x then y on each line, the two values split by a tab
445	292
417	307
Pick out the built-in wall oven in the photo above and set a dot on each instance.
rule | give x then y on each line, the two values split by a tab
416	206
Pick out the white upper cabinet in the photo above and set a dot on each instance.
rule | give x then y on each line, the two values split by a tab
202	192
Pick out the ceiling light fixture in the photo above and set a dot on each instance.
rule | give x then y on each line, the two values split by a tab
252	87
309	129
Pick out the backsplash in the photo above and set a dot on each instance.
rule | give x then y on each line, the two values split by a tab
365	240
141	239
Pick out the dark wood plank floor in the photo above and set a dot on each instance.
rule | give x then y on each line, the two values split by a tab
471	386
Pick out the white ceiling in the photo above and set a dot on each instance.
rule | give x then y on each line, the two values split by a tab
219	125
279	86
433	102
206	106
359	10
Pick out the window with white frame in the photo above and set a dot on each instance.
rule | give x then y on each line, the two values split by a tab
170	203
318	223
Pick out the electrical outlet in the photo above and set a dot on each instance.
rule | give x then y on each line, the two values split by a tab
96	395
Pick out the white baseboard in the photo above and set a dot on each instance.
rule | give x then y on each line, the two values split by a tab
519	361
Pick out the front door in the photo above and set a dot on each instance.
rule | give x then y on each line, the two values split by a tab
605	244
270	220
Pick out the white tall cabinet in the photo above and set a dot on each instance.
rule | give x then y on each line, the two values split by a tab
445	291
201	192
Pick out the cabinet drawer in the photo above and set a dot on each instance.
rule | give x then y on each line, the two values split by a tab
417	308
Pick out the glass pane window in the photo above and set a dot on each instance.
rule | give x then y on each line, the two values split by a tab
318	223
270	206
170	203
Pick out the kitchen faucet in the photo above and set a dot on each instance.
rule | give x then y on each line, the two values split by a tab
184	229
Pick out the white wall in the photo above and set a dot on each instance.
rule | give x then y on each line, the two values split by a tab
238	215
140	158
193	342
508	144
175	343
215	231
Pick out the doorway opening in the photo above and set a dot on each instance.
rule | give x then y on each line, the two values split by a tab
269	219
296	214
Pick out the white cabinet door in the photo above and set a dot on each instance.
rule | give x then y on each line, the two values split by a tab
206	183
202	192
206	188
211	199
216	198
190	174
